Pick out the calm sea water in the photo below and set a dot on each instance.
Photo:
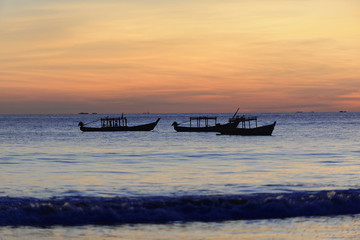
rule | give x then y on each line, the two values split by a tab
59	183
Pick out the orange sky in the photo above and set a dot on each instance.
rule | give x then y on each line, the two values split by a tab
133	56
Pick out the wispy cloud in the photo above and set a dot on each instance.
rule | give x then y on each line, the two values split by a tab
265	54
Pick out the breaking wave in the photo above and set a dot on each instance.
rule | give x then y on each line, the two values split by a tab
76	210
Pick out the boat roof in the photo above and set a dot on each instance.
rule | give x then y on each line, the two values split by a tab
203	118
112	118
244	119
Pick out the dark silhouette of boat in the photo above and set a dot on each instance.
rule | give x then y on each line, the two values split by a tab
247	130
117	124
202	124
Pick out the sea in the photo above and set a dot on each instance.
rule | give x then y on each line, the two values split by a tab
57	182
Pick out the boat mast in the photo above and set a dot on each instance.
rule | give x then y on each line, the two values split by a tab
236	113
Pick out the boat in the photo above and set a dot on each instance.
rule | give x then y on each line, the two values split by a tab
116	124
247	130
202	124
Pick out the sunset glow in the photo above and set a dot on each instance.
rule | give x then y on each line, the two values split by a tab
179	56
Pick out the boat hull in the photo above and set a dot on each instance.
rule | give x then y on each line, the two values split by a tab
144	127
258	131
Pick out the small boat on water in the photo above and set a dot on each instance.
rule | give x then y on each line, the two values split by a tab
202	124
246	130
116	124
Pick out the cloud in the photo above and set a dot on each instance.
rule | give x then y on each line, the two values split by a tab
188	54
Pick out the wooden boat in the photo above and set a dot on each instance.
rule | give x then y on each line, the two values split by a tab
117	124
202	124
247	130
206	127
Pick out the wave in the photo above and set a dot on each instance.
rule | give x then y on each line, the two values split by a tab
79	210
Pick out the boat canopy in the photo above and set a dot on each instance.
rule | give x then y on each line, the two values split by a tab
200	119
245	120
114	122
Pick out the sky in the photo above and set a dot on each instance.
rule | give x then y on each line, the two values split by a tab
167	56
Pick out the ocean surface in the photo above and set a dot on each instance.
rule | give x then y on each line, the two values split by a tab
303	182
